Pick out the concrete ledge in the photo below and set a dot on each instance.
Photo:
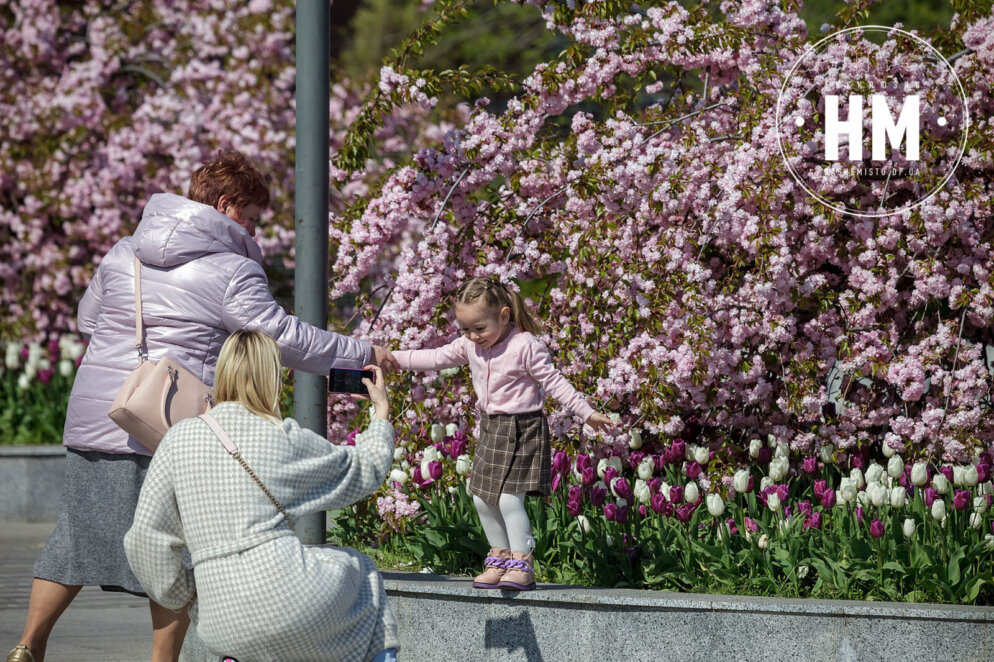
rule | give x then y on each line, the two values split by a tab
445	618
31	482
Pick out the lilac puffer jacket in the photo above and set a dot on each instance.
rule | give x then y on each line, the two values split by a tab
202	279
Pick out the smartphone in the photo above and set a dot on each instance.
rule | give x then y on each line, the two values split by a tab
349	381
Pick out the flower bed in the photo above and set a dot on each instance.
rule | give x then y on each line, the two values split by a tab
35	381
848	525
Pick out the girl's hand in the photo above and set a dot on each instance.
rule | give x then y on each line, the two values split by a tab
377	393
599	422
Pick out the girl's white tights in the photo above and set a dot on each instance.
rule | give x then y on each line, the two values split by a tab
506	525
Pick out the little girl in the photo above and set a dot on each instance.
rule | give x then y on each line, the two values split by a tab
512	371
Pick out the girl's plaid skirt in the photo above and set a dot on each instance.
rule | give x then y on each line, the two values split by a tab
513	456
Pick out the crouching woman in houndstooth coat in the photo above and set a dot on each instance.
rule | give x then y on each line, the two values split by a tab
259	593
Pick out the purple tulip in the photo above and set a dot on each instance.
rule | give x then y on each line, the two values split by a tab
573	507
575	493
732	529
685	512
597	496
653	484
947	471
693	470
752	484
828	499
877	529
556	481
589	476
53	351
623	489
679	449
610	512
660	461
622	515
929	495
860	514
610	473
857	462
804	507
782	492
820	487
983	472
583	462
810	465
765	455
676	494
961	500
560	462
636	458
813	521
643	511
658	503
751	525
458	446
45	376
435	469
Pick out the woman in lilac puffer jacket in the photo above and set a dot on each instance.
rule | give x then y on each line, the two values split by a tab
202	279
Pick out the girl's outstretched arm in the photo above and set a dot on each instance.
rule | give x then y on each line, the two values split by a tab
448	356
539	365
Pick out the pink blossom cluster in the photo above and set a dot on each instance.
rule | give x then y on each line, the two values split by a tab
685	280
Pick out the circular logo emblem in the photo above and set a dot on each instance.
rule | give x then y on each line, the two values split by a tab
872	121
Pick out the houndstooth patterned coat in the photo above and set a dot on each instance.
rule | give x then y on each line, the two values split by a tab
262	595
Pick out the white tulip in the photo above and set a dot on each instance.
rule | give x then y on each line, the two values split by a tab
437	433
584	523
430	454
771	441
13	356
773	501
463	465
405	465
874	473
940	483
66	367
755	445
691	493
976	520
451	429
856	476
621	503
763	542
701	455
888	450
970	476
635	439
778	468
980	504
802	571
897	497
716	506
847	490
689	452
895	467
863	499
30	369
919	473
397	476
646	467
740	482
958	470
990	541
986	487
909	527
664	489
399	453
827	453
448	373
876	493
765	482
781	451
641	491
609	540
23	382
938	509
453	490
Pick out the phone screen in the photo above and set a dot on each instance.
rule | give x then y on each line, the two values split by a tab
349	381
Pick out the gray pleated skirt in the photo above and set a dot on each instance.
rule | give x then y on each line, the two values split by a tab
98	504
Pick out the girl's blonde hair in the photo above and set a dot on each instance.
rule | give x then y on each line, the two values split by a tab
249	372
495	296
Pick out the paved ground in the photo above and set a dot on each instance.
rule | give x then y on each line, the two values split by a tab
98	627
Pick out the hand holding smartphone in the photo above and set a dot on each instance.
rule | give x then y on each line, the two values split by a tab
365	384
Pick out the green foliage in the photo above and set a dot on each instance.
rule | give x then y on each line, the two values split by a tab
35	415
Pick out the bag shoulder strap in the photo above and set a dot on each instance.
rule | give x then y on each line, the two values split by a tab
138	309
232	449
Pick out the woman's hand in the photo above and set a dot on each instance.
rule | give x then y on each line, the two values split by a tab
599	422
378	393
